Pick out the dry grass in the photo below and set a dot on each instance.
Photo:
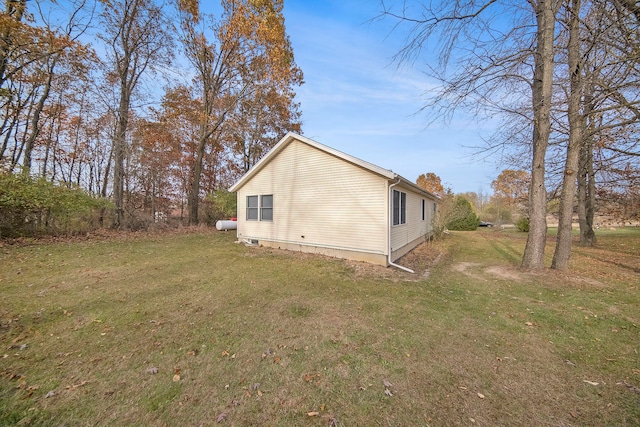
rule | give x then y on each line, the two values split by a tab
194	329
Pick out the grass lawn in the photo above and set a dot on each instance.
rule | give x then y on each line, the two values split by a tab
193	329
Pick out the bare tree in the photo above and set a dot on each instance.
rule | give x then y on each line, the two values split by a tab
493	61
603	107
574	57
138	36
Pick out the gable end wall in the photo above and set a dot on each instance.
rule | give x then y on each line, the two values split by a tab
321	204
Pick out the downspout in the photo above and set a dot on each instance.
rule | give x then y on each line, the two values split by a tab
389	226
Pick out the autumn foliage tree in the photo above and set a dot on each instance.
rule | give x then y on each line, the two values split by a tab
42	68
244	55
511	188
84	116
36	59
138	38
259	122
431	183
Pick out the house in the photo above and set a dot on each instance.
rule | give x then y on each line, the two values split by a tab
305	196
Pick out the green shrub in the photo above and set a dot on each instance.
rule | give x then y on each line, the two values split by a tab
220	204
32	207
523	224
462	216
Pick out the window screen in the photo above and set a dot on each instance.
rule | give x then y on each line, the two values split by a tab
399	207
266	207
252	208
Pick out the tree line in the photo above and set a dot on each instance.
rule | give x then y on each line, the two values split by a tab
157	106
564	77
154	105
507	206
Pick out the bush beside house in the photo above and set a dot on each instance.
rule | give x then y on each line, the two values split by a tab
462	216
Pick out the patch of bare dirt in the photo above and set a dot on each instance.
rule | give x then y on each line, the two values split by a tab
486	273
463	267
421	260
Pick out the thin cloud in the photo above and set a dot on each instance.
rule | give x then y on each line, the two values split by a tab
357	101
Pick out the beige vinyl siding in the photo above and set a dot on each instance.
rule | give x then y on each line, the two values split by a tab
318	199
430	208
414	228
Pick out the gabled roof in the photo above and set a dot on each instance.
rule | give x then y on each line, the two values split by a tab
290	137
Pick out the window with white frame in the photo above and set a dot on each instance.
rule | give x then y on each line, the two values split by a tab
266	207
260	208
399	207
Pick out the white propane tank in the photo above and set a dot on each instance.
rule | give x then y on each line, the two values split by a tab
226	224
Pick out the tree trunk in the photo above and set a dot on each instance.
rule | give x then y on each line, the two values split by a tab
533	257
48	147
119	145
194	194
563	242
586	180
105	183
206	132
35	120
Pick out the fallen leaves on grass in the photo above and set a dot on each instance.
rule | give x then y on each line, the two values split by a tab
480	395
316	413
226	353
221	417
312	377
152	370
31	389
631	387
74	386
266	353
591	382
387	386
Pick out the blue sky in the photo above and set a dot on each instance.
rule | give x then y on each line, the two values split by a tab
356	99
